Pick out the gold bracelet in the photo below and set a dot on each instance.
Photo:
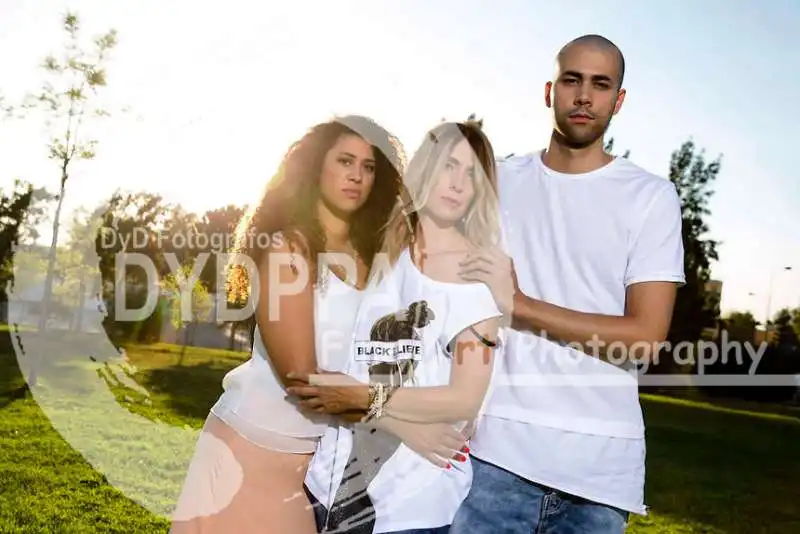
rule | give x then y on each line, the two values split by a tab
377	400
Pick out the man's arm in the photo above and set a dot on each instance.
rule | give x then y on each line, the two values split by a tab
648	312
655	269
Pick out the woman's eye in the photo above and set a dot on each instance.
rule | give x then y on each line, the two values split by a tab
345	161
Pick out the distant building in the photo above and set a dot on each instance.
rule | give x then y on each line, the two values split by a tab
714	287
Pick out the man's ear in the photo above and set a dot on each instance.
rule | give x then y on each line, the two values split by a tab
620	100
548	88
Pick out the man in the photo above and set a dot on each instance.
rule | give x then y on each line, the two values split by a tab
597	257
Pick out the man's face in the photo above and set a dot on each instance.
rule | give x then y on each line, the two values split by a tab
585	94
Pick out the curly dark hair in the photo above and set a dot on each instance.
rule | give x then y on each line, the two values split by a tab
289	202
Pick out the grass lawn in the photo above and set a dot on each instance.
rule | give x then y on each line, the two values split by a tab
102	446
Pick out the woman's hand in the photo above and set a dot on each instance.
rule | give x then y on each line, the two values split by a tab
437	442
330	393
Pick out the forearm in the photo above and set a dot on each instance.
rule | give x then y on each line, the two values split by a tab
435	404
438	404
594	333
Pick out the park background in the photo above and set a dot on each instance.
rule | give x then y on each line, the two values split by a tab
187	115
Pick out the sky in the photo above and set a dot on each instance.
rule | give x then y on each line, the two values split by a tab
216	95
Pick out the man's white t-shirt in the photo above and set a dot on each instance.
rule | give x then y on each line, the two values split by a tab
408	492
558	416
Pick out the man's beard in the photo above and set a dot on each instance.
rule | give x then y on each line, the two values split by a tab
572	137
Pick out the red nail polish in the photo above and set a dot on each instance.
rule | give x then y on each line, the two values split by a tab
449	466
465	450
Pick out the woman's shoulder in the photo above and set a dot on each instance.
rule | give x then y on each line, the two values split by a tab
285	247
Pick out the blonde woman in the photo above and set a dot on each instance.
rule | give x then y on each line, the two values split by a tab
422	351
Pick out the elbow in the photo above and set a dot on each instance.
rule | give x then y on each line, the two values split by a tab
466	408
647	346
286	374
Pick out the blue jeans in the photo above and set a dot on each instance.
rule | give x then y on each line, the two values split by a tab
320	512
500	501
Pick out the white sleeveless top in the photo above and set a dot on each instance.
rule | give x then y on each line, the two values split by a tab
254	400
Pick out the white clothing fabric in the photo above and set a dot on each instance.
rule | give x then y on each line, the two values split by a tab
558	416
254	400
408	492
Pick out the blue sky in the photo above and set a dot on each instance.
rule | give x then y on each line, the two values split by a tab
218	93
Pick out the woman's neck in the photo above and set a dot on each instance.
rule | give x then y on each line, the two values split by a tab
336	227
439	237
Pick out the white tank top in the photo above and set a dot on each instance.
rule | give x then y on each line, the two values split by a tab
254	400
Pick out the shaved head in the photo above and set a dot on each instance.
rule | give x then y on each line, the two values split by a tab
597	42
586	91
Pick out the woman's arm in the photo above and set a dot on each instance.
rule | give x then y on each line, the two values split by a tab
285	309
456	402
462	398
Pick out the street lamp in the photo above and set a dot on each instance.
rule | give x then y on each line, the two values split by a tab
769	299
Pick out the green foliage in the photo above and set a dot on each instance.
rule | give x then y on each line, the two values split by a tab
6	109
128	223
68	97
69	93
787	327
20	210
50	487
741	326
609	148
693	177
189	300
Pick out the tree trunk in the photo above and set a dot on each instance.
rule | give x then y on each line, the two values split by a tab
185	343
33	375
232	338
81	303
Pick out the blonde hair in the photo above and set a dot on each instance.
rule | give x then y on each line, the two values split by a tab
481	224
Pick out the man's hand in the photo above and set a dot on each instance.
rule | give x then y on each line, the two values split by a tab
438	443
330	393
495	269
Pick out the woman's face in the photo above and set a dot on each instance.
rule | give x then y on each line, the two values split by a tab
348	173
454	190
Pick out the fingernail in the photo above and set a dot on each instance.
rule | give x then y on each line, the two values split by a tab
449	466
461	458
465	450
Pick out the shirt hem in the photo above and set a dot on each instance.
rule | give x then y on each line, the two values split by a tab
310	442
657	277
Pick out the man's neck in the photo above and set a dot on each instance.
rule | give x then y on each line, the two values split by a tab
568	160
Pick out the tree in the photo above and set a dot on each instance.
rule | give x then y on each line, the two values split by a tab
693	178
131	223
741	326
784	322
610	148
796	321
68	98
218	227
19	210
201	303
6	110
78	261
